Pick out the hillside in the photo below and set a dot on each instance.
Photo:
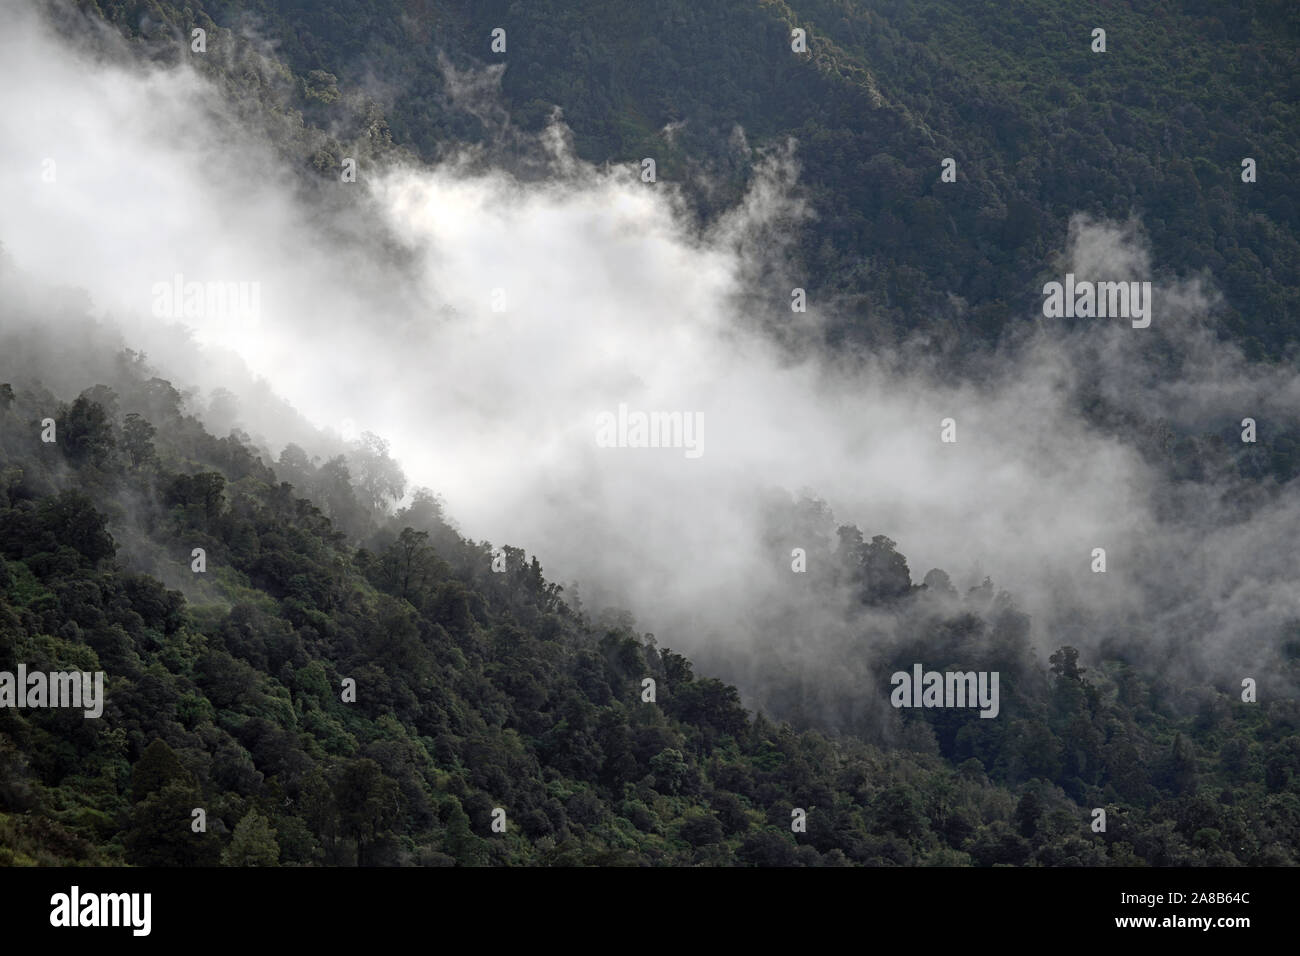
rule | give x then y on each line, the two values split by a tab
1041	127
309	648
478	689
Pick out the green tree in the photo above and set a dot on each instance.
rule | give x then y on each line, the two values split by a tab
162	833
84	433
137	439
253	843
669	768
1065	664
367	801
1029	813
700	829
73	520
1182	765
409	566
379	480
158	766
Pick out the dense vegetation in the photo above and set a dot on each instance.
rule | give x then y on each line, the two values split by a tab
1041	127
478	689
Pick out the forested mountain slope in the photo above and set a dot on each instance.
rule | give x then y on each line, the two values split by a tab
1041	127
336	675
478	690
1042	130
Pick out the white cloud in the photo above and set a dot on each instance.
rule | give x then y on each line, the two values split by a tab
377	308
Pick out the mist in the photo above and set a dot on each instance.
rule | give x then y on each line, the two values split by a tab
482	321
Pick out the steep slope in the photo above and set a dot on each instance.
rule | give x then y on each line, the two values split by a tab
325	702
1040	125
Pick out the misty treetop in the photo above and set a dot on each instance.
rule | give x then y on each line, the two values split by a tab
382	697
306	662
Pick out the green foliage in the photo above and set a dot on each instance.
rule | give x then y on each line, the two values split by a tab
253	843
1040	126
479	691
